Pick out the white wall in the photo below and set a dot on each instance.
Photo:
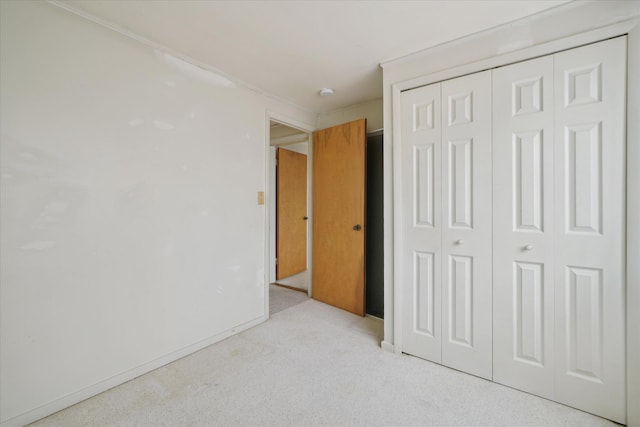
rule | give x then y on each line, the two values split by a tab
130	230
371	110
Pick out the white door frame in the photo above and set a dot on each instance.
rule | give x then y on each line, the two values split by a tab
270	198
542	34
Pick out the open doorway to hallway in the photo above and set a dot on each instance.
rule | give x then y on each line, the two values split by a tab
290	206
292	155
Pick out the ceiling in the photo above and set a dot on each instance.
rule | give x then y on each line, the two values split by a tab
292	49
281	134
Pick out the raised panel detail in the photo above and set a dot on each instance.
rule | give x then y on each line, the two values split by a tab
583	154
584	322
583	85
526	96
423	116
528	322
460	108
460	183
423	175
527	183
461	300
423	278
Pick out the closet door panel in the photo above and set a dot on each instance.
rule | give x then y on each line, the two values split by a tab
466	228
421	222
589	233
523	314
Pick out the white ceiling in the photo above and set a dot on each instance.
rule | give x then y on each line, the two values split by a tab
292	49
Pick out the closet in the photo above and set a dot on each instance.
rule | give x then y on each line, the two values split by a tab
447	231
513	225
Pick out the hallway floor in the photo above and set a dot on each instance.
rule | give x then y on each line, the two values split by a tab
300	280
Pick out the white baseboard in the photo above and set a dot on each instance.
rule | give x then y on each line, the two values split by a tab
92	390
387	347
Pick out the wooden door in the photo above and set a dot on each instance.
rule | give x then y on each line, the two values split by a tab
291	240
339	216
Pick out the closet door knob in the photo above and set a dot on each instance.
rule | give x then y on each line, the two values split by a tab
459	242
528	248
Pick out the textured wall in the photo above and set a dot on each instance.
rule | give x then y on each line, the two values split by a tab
130	230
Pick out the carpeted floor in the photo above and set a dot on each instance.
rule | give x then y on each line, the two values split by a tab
300	280
312	364
282	298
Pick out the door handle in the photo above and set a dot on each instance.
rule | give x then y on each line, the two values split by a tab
305	218
357	227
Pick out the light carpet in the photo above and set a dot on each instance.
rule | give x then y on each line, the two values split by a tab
312	364
300	280
282	298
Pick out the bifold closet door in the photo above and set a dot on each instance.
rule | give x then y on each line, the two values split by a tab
421	223
523	291
446	223
589	205
513	261
559	227
466	224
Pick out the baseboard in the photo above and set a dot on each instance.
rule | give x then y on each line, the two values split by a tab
102	386
387	347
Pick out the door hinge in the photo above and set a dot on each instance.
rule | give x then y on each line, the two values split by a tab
276	261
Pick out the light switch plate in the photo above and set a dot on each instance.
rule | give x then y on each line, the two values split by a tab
261	197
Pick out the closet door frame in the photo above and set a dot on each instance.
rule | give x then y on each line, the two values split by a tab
395	85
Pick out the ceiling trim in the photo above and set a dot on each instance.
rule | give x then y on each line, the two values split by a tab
164	49
523	33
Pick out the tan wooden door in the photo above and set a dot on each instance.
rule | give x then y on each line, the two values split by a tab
291	235
339	215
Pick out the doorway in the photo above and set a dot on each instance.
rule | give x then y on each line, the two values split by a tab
292	141
289	202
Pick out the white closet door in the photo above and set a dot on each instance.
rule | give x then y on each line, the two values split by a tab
523	286
421	224
466	225
589	228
